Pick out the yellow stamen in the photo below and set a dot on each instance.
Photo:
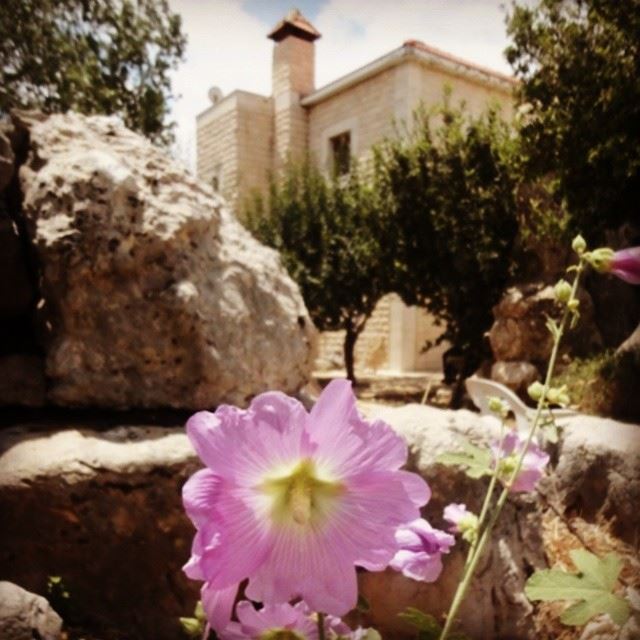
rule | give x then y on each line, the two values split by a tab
301	496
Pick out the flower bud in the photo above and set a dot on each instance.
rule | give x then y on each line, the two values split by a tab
573	304
600	259
497	406
535	390
579	245
562	291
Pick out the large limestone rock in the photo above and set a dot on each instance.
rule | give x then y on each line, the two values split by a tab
109	502
25	615
598	472
152	293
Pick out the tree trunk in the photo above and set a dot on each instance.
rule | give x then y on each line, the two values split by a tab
353	328
350	339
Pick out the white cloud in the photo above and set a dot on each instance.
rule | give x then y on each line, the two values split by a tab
228	46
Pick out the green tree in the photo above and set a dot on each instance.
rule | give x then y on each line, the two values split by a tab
449	190
93	56
579	66
329	235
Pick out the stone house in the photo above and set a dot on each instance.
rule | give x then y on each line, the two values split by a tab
244	137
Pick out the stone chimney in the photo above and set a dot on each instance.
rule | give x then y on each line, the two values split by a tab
293	77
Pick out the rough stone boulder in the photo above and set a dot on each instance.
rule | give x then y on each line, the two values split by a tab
25	615
151	293
519	332
517	376
102	510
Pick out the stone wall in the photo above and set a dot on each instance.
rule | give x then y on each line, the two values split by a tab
393	340
235	144
372	348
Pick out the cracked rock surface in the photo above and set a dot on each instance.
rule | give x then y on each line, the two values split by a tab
149	292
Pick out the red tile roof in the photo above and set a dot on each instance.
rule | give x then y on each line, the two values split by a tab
294	23
421	46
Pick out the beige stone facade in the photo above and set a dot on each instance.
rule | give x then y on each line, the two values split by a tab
243	138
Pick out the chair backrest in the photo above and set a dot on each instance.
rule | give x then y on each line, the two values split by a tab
481	389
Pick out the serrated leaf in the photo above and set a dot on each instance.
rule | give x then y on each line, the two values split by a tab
476	460
581	612
592	587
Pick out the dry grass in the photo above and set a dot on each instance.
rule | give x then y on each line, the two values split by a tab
560	536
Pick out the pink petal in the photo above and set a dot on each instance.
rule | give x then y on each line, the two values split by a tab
199	496
345	441
375	505
626	265
218	604
306	566
243	541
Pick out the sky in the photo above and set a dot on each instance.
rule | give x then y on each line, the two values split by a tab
228	48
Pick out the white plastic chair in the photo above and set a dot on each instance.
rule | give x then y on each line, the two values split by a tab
481	389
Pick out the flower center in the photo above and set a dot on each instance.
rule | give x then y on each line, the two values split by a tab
301	496
280	634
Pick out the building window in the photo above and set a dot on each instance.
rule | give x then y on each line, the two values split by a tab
216	179
340	146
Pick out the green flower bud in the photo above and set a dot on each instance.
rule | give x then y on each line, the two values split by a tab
573	304
600	259
192	627
535	390
562	291
498	406
579	245
199	612
553	394
468	527
559	395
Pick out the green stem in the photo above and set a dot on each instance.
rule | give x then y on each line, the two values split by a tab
475	551
488	496
321	633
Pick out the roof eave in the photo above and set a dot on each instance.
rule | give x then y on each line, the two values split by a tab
399	55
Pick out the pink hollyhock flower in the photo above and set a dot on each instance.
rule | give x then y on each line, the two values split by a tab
455	513
506	456
463	521
273	621
626	265
286	622
293	501
421	549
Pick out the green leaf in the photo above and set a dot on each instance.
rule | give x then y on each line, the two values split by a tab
592	586
428	627
476	459
424	622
